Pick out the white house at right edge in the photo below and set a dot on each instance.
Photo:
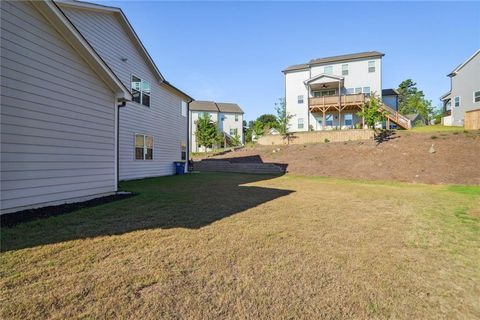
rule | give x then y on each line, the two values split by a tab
328	93
464	94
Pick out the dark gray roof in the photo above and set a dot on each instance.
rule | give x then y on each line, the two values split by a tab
203	106
389	92
229	107
215	106
344	57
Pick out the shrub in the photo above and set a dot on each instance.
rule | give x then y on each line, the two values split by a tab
326	140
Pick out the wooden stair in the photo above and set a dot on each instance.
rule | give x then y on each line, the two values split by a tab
397	118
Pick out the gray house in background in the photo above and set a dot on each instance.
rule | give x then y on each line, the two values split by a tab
154	125
390	98
59	105
464	94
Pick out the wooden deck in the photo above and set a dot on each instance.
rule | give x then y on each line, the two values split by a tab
354	102
338	103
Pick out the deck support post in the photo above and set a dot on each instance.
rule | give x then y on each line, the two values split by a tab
339	106
388	124
324	121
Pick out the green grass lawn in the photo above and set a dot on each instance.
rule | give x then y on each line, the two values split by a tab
436	128
237	246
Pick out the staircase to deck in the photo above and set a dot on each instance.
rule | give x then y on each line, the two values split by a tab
397	118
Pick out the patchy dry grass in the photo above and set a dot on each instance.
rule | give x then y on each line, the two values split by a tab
436	128
236	246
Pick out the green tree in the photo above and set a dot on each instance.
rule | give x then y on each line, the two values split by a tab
406	89
372	112
207	132
283	119
257	128
235	140
412	101
268	121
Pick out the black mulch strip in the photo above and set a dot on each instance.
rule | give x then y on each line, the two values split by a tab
11	219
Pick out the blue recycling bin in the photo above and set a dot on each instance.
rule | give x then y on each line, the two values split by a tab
179	167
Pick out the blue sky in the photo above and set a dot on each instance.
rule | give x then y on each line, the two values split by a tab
235	51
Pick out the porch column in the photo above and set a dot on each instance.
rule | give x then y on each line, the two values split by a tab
324	119
388	124
363	118
339	106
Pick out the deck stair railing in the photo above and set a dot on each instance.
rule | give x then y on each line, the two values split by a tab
396	117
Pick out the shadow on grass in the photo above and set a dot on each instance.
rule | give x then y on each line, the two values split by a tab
190	201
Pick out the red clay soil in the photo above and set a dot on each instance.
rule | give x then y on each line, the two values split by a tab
406	157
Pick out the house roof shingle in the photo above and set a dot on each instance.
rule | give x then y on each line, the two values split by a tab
229	107
203	106
215	106
344	57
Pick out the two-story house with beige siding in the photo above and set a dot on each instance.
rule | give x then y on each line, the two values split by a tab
464	94
59	108
227	116
153	127
328	93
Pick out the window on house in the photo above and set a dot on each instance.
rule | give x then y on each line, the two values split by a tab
233	132
236	118
348	119
456	101
371	66
300	123
140	91
344	69
476	96
184	109
300	99
323	93
183	148
358	90
350	90
328	70
329	120
143	147
366	91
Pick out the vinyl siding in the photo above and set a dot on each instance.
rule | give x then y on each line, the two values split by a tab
162	120
57	117
358	76
464	84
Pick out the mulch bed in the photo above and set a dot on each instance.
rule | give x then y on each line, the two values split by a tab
11	219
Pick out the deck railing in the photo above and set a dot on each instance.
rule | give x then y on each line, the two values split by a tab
325	101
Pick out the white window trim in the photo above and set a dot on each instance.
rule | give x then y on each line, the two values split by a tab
374	66
183	108
474	96
302	123
459	102
135	146
302	99
346	69
150	94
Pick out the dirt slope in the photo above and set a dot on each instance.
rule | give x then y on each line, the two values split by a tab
405	157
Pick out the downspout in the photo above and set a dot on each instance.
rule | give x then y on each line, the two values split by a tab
123	104
188	133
